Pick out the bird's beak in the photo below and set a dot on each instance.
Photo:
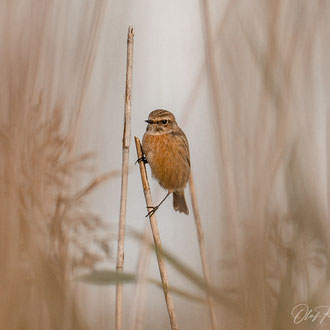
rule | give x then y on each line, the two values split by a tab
149	121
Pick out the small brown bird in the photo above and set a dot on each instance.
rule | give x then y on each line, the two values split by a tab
167	151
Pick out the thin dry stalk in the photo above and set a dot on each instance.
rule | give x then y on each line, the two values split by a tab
230	198
142	270
193	94
202	250
124	177
94	37
157	241
40	232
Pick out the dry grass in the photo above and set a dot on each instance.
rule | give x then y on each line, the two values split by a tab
259	75
44	226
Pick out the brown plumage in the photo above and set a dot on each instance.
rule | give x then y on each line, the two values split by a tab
167	151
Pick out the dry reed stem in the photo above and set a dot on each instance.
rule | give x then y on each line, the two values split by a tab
94	37
202	249
124	177
230	198
142	269
38	232
157	241
193	94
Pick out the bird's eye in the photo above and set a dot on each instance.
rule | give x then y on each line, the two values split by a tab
164	121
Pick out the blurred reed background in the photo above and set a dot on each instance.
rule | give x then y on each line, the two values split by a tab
45	69
247	81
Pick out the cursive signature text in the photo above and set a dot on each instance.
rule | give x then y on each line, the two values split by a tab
303	312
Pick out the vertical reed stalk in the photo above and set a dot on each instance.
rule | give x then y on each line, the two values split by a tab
94	37
157	241
142	272
229	196
202	250
124	177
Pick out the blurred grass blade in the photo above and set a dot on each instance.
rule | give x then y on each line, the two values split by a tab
106	277
109	277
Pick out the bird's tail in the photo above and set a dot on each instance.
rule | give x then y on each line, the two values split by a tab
179	202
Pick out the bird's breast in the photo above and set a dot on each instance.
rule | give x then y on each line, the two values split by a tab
168	158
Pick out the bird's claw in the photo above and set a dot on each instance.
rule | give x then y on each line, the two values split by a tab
142	159
153	210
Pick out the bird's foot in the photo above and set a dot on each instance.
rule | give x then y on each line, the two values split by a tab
153	210
142	159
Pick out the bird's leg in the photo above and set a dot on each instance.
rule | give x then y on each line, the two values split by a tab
155	208
142	159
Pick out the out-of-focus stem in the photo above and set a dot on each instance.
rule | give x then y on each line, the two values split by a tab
202	250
